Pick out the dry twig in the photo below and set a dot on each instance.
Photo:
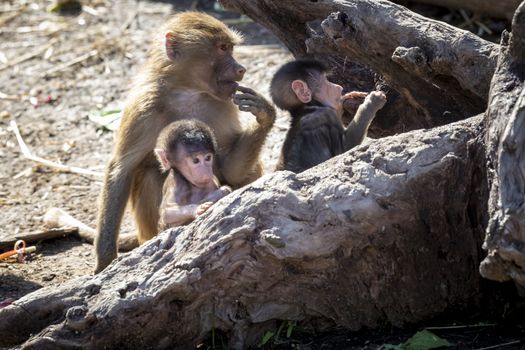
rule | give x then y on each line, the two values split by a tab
30	55
500	345
61	167
462	327
4	96
43	29
15	12
90	10
38	236
70	63
57	218
8	18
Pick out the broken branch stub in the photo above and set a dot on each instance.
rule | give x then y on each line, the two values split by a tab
505	141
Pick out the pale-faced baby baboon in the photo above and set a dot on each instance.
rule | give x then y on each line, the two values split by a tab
186	149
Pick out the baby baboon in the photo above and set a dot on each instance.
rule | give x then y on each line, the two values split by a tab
316	105
186	149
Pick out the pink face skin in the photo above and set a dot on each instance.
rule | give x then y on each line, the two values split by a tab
328	93
227	71
197	168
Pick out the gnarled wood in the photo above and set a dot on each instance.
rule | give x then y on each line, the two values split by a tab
375	235
500	8
505	119
442	73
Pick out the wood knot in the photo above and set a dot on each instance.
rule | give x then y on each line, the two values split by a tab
273	239
335	24
93	289
414	54
77	318
412	59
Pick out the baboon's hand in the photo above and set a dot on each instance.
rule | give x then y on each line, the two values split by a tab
250	101
201	209
219	193
354	95
352	100
376	99
225	190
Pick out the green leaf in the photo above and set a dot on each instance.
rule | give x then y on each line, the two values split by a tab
217	6
266	337
64	6
424	340
111	111
108	119
289	330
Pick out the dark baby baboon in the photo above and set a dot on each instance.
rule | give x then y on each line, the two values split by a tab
316	106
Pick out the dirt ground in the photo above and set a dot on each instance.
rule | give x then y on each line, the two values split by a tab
57	71
81	65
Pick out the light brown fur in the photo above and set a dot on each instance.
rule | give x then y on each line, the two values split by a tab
172	88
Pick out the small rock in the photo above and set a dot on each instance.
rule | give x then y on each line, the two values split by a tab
5	115
47	278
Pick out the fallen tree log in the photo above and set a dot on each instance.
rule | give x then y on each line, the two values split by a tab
499	9
442	73
351	30
505	139
388	232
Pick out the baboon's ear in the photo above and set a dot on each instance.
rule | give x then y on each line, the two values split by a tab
171	45
163	159
302	91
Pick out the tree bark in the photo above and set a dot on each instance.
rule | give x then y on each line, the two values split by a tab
506	161
499	9
388	232
441	73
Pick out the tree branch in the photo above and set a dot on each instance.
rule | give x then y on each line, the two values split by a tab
419	57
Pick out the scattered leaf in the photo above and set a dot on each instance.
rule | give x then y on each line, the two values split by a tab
217	6
4	115
289	330
108	120
266	337
61	6
424	340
